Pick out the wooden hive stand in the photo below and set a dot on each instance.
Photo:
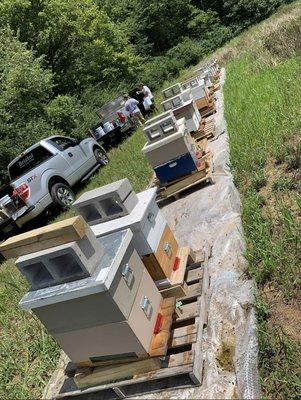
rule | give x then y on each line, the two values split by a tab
206	129
203	174
181	366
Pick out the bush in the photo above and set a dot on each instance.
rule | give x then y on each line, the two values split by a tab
185	53
61	113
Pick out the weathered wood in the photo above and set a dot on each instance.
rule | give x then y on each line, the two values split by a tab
175	291
178	359
183	336
197	371
106	374
187	311
61	232
194	275
159	343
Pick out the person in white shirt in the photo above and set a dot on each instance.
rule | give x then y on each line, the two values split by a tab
131	107
148	94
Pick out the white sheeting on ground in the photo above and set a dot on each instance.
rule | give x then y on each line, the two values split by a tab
230	342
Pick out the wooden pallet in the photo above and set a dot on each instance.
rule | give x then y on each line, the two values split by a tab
182	366
209	110
202	175
206	129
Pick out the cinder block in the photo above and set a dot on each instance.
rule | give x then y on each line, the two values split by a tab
172	91
177	100
161	126
197	87
107	202
60	264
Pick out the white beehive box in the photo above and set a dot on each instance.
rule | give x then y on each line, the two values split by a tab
190	112
145	221
112	313
170	147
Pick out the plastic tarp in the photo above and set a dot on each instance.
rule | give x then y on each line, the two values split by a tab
212	214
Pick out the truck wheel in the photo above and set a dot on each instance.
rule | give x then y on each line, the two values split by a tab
101	157
62	195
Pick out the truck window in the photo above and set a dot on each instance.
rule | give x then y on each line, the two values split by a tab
62	143
28	161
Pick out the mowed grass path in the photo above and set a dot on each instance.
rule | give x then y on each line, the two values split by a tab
263	112
28	355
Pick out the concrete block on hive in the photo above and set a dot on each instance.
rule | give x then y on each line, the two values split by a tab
63	263
107	202
177	100
172	91
160	126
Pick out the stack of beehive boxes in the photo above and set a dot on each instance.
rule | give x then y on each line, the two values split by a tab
92	291
199	91
170	148
152	236
182	105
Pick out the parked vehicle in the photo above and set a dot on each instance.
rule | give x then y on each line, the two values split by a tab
44	174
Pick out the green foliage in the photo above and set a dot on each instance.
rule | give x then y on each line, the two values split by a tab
82	46
284	183
61	112
25	88
243	13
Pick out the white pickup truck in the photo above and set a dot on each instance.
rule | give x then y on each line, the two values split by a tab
44	174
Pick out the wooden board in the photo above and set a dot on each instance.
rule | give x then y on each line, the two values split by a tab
106	374
160	264
176	286
159	341
48	236
206	130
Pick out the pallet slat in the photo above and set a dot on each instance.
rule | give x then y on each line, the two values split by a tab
104	374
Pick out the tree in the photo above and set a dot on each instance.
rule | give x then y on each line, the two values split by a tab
154	25
25	88
82	46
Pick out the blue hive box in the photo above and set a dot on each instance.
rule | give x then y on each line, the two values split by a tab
176	168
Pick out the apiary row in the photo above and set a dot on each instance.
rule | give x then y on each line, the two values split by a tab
170	149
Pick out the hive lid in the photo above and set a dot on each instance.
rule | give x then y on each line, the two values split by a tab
115	246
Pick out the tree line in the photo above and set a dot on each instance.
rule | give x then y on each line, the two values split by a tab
60	60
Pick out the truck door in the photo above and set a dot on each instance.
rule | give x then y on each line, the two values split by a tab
73	154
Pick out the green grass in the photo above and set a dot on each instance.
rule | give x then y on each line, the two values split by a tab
262	104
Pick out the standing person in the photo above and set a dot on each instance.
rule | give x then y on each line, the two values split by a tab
147	93
131	107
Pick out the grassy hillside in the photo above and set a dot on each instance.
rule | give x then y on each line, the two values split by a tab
261	96
262	99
